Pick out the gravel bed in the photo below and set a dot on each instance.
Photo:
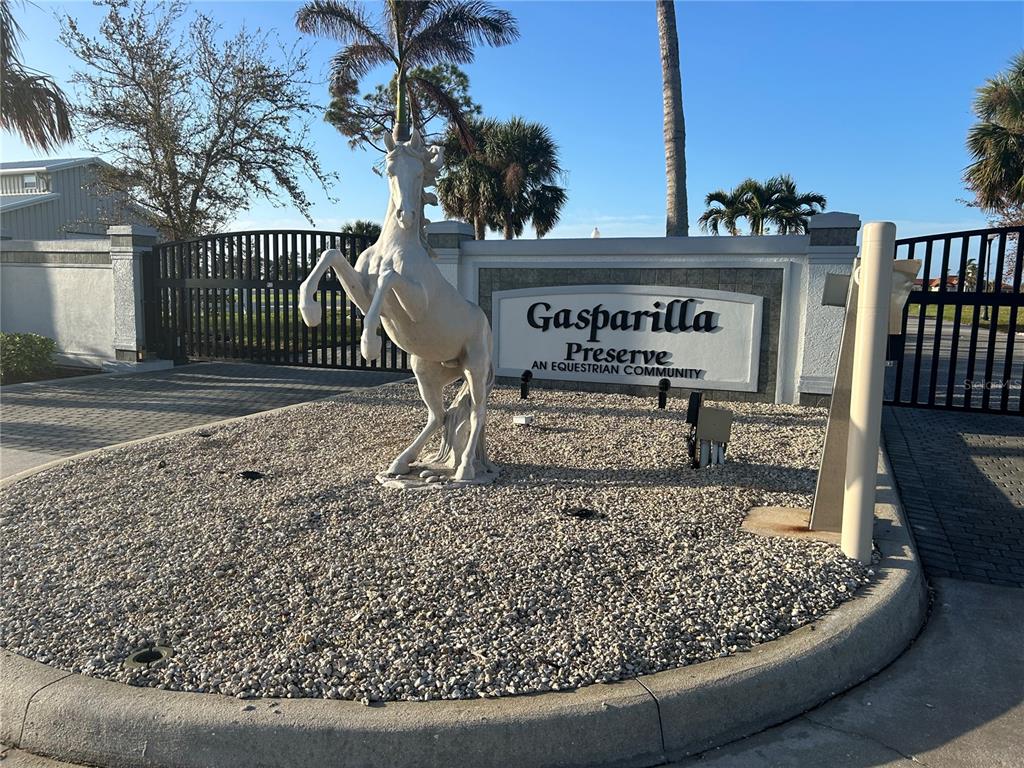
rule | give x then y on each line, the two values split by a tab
306	578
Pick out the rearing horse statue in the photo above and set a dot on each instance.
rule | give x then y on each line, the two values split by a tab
395	283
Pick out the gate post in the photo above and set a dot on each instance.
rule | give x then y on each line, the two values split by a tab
874	279
128	244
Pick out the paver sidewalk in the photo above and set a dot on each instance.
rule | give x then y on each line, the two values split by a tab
45	421
961	481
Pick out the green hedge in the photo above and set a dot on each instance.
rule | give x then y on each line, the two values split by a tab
25	357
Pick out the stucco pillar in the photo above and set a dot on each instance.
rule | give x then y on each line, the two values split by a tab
445	238
128	244
832	249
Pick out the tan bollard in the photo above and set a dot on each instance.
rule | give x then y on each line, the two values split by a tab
874	280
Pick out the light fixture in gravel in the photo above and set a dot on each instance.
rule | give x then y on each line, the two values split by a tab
146	658
582	513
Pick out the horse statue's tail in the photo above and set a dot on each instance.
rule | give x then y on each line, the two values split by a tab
455	432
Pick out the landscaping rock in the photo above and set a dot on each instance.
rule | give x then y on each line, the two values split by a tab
325	583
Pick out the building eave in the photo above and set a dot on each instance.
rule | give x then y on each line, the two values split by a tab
53	166
44	197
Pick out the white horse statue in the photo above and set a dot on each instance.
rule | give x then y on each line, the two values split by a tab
395	282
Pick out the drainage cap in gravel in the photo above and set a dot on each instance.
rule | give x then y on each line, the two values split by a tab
144	658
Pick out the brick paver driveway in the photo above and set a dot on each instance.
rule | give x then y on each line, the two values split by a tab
40	422
961	480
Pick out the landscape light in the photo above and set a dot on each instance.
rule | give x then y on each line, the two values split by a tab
663	386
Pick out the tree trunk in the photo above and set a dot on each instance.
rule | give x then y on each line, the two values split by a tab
479	230
401	132
510	231
677	219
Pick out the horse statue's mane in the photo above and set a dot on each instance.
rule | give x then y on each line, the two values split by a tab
432	159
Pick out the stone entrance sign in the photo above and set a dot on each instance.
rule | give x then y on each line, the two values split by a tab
630	334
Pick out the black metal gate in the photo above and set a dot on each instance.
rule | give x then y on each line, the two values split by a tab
235	296
960	347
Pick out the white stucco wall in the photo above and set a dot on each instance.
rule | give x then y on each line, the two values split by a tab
63	290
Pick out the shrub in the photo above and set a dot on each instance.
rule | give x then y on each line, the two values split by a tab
25	357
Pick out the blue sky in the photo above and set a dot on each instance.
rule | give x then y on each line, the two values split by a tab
865	102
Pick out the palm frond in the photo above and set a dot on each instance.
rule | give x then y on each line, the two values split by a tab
36	109
355	60
451	109
546	205
34	106
451	29
344	21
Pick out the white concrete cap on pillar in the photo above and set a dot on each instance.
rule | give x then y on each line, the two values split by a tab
834	220
450	228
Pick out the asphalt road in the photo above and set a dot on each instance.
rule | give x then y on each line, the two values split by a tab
1005	380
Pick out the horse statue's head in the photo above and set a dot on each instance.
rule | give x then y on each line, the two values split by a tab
410	166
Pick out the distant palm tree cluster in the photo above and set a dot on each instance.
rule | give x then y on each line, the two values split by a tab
370	229
771	205
508	180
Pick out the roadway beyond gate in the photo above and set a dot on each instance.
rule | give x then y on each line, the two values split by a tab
235	297
961	345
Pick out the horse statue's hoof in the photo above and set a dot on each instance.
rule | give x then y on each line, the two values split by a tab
398	469
312	313
465	473
369	347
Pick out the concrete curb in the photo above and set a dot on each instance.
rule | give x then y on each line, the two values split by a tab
641	722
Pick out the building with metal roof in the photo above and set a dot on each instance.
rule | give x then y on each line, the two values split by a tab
57	199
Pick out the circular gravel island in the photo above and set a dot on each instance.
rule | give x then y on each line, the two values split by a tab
268	560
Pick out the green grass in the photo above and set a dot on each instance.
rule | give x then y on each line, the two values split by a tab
999	315
246	333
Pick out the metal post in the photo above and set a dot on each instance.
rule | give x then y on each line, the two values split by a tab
874	279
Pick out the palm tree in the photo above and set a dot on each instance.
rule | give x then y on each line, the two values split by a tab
677	219
791	210
996	142
409	35
370	229
525	158
469	187
774	202
729	210
509	179
33	105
